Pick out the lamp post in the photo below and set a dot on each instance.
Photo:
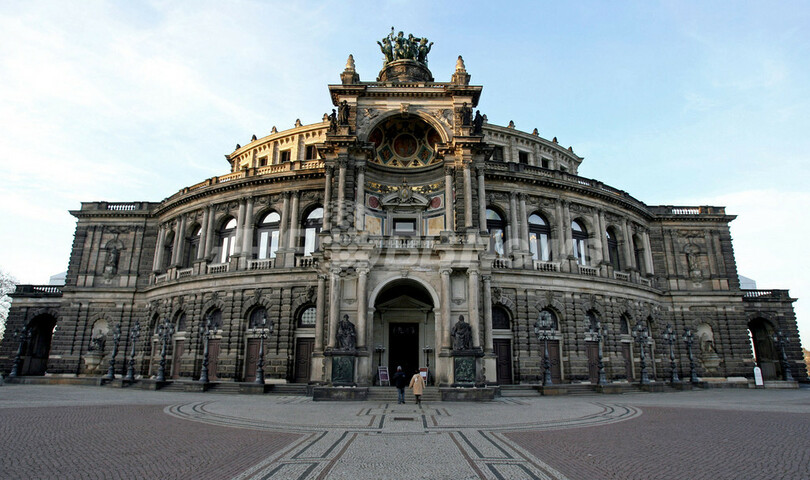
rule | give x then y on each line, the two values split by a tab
542	328
206	332
670	337
23	336
688	338
642	335
165	332
428	350
116	340
601	333
264	332
133	336
780	340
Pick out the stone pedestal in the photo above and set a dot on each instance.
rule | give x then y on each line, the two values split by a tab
486	394
92	363
464	371
343	369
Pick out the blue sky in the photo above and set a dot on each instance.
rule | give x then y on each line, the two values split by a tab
675	102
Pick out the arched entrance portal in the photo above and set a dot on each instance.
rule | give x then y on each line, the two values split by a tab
35	361
404	324
765	353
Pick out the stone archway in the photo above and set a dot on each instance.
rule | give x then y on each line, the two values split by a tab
35	361
765	353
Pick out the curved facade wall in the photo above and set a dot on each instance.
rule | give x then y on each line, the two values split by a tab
396	221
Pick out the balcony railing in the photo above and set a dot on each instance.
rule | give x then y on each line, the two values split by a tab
404	242
262	264
306	262
767	294
546	266
37	290
625	277
589	271
502	263
218	267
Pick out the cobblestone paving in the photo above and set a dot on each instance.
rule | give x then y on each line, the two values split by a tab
92	432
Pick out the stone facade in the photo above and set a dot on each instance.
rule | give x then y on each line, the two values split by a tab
401	213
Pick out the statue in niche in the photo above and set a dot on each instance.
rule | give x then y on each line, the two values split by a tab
343	113
346	335
693	262
466	115
478	123
462	335
333	122
111	263
97	343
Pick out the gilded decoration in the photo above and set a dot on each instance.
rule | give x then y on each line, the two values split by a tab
404	143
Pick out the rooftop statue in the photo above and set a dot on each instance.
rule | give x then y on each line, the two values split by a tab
398	47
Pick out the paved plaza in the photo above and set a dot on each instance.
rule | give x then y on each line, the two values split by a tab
72	432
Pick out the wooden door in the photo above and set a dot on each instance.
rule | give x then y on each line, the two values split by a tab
303	357
503	362
179	349
251	357
213	357
592	349
554	359
403	347
627	354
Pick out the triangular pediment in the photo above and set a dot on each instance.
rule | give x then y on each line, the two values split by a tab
404	302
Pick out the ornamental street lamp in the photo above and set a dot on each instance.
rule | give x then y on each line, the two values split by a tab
23	336
116	339
780	340
134	334
165	332
642	336
205	332
600	334
263	333
688	338
542	328
428	350
670	337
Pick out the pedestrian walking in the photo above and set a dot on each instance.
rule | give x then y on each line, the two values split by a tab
400	381
418	386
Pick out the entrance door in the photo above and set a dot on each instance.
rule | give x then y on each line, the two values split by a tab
503	362
38	349
592	349
251	358
213	356
403	347
627	354
554	360
179	349
303	357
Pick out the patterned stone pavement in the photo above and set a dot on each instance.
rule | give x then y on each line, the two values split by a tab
70	432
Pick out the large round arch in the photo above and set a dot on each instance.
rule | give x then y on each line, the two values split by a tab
38	348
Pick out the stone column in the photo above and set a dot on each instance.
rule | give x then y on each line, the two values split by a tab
247	239
482	201
514	224
178	240
334	305
468	223
603	230
203	235
648	254
472	299
362	307
445	307
569	240
487	313
560	253
319	306
360	200
524	231
598	240
157	263
293	220
327	198
240	228
285	216
209	236
341	190
449	201
629	254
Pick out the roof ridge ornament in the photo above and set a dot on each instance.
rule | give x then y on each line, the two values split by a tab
405	59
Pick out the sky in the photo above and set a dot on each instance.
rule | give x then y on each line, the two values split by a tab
678	103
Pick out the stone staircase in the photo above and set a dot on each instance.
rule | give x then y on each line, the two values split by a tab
389	394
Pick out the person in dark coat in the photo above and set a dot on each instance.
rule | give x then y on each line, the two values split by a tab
400	381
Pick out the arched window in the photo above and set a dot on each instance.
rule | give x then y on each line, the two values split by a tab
268	235
216	319
580	237
500	318
168	249
193	246
538	238
613	248
312	226
496	227
624	325
180	322
227	240
256	317
307	317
